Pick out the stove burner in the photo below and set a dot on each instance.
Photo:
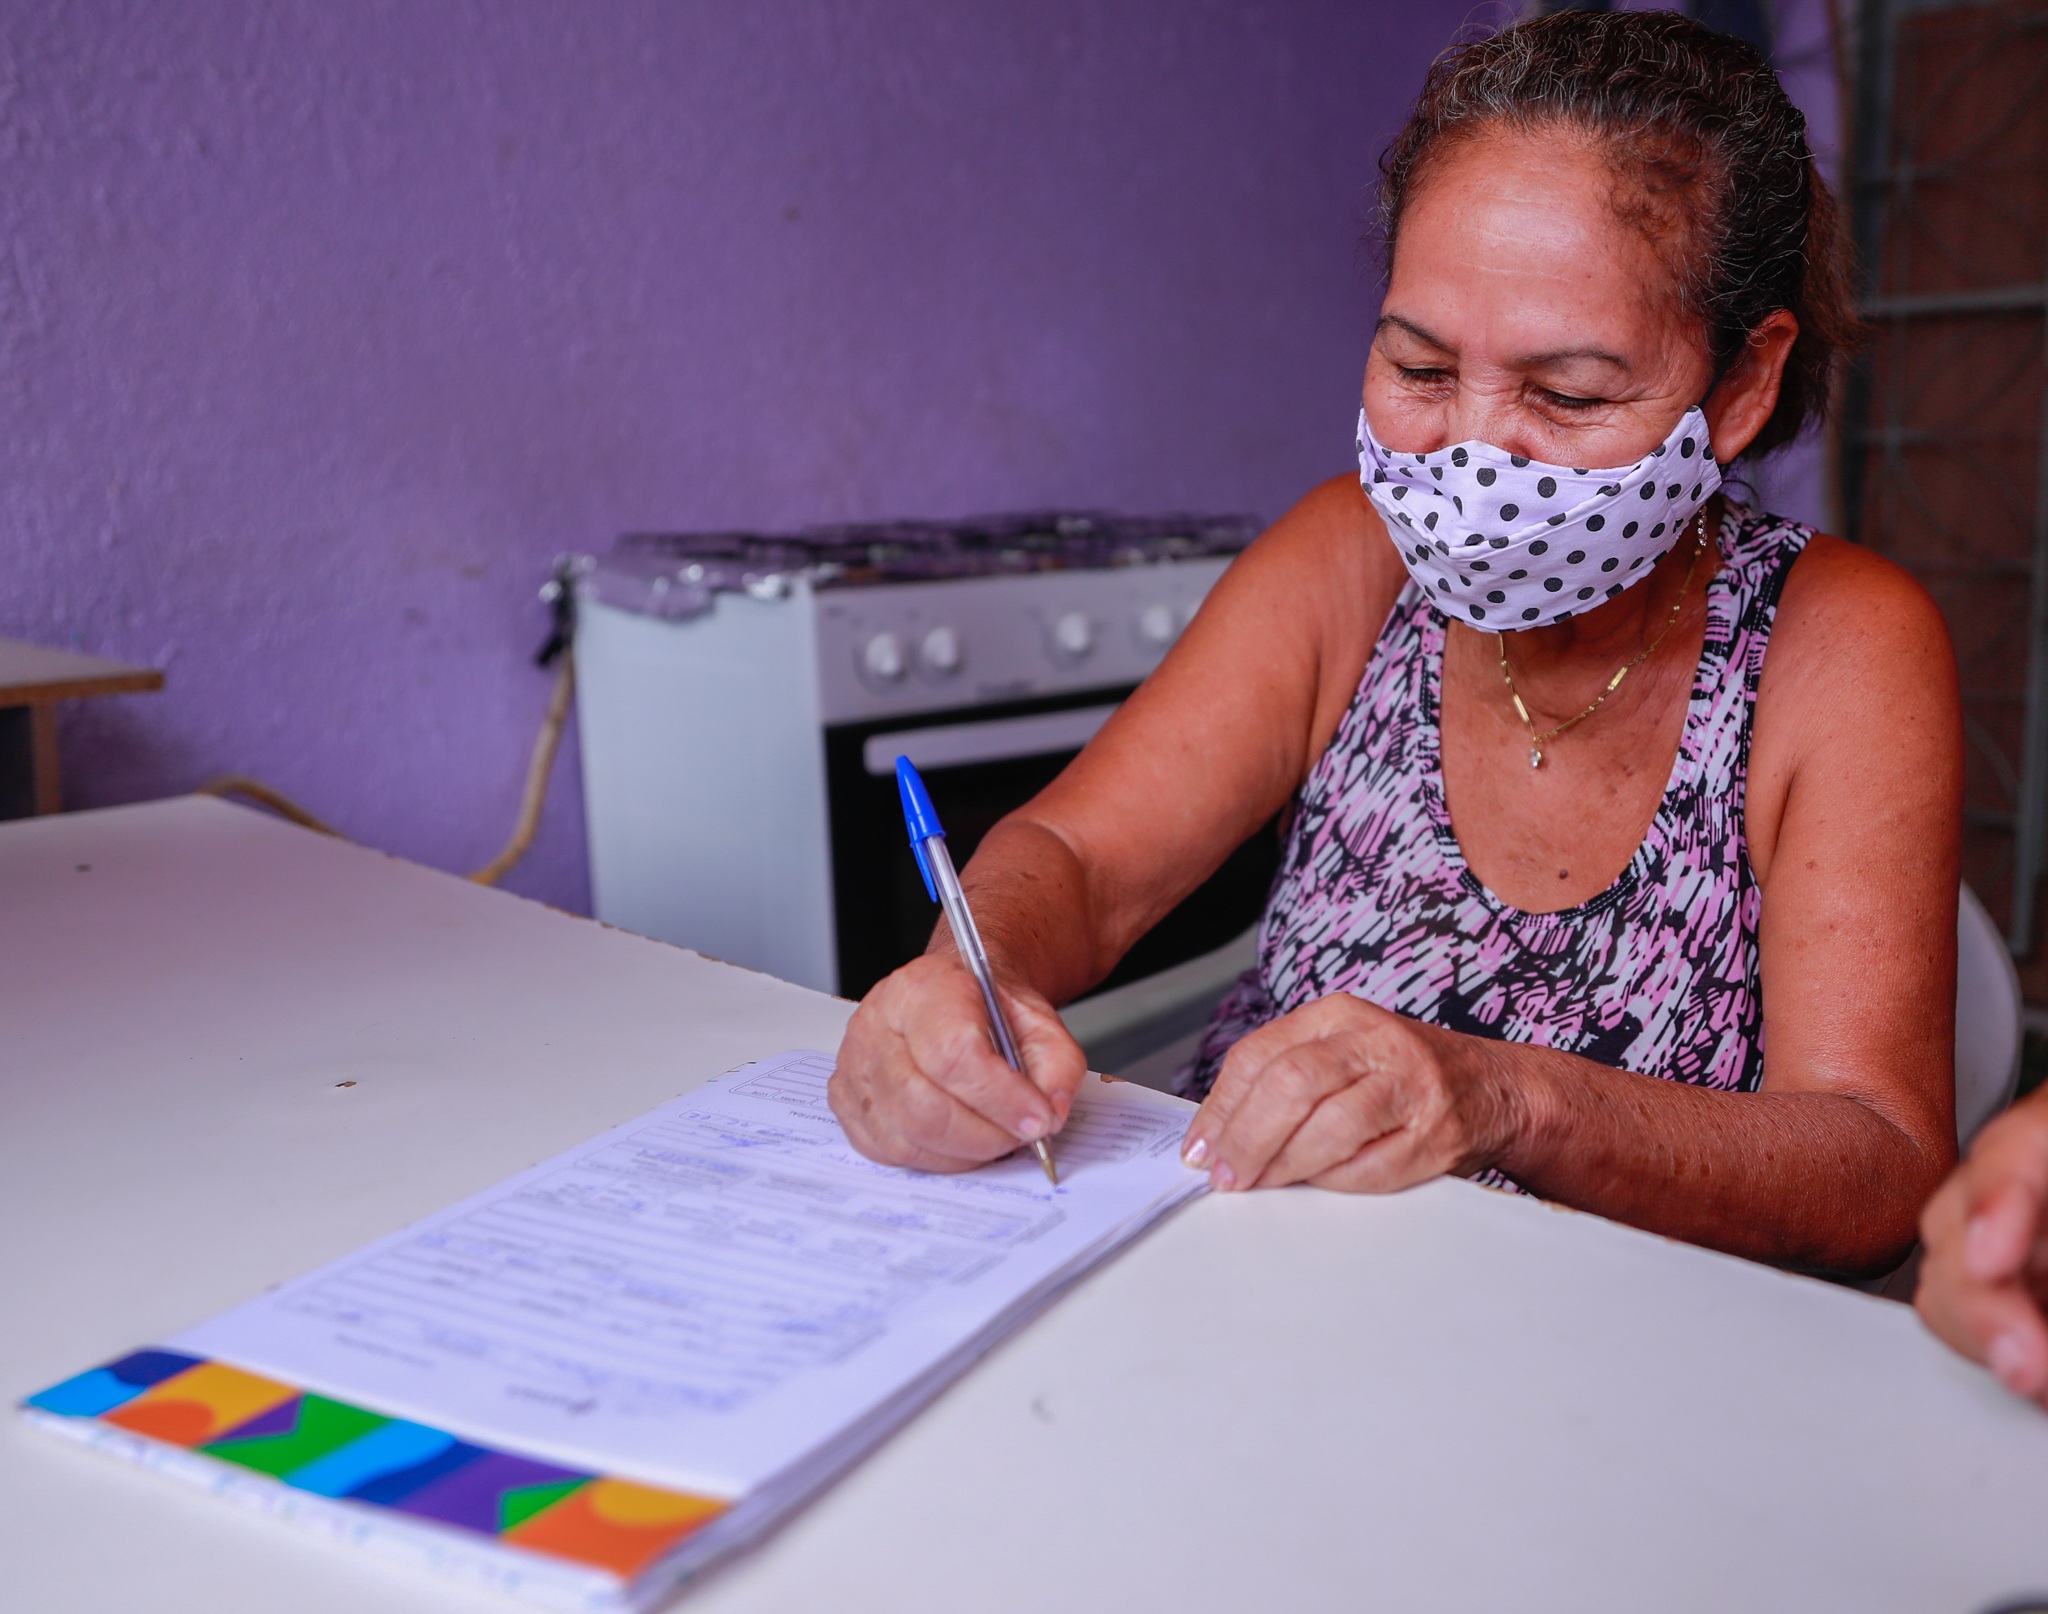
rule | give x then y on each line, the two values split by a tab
675	574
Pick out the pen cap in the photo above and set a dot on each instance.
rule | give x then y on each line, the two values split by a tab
919	817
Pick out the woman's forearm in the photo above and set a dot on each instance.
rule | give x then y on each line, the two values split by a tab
1816	1181
1032	904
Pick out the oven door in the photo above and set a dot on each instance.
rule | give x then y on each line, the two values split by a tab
979	764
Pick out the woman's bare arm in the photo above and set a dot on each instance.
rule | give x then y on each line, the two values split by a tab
1855	822
1208	749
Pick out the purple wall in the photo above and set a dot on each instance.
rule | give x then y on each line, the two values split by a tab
1795	481
327	324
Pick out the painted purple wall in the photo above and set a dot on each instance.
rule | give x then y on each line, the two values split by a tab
327	323
1795	481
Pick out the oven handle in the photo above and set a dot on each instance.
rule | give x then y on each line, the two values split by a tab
957	745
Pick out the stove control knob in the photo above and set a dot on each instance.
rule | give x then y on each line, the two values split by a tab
1073	635
883	657
1156	626
940	652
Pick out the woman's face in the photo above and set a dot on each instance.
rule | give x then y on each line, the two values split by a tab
1524	313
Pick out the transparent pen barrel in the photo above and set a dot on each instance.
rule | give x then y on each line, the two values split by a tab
968	940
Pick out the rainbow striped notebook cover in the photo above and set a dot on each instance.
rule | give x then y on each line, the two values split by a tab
580	1539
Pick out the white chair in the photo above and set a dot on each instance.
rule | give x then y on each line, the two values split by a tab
1989	1034
1988	1026
1146	1030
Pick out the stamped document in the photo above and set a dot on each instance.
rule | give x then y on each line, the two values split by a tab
690	1323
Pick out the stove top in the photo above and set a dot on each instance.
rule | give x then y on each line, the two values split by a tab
676	574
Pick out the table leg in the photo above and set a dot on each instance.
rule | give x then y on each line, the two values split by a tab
17	764
42	723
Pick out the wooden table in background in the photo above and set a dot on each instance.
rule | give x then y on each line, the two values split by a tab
33	679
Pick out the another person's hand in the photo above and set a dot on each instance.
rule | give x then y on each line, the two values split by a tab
1344	1094
1984	1277
919	1081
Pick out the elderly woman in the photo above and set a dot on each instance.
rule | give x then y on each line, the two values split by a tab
1621	818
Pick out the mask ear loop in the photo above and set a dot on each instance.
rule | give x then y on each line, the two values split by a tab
1722	367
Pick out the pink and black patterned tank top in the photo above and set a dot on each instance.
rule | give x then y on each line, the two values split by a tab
1657	974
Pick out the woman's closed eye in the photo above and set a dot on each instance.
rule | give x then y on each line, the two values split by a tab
1437	376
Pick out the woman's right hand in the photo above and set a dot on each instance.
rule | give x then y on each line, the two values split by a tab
919	1081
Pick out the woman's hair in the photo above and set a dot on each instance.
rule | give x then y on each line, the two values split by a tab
1699	124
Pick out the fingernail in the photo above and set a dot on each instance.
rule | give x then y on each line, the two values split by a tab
2007	1356
1223	1179
1029	1128
1196	1152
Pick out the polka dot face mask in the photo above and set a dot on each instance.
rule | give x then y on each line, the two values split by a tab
1505	542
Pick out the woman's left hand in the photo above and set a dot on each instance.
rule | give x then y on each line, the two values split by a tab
1346	1095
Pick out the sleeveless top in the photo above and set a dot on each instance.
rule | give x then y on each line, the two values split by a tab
1657	974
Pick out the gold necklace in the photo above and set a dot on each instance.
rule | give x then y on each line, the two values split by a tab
1538	741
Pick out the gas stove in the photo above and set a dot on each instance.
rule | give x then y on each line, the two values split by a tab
742	699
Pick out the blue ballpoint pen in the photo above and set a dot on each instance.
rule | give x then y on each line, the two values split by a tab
935	863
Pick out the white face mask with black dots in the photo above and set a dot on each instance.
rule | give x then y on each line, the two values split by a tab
1504	542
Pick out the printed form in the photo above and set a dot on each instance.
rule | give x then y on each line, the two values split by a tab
710	1293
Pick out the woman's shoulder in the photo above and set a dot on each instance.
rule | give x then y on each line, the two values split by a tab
1331	527
1329	555
1859	667
1328	569
1825	593
1843	603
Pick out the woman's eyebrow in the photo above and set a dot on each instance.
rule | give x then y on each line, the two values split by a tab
1532	361
1600	355
1413	330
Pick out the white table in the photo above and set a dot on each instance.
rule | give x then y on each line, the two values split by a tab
1447	1400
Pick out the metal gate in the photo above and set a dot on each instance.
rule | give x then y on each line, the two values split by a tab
1942	455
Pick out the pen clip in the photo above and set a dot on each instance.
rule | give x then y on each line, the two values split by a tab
919	817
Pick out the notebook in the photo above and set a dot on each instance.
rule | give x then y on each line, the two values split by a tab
586	1383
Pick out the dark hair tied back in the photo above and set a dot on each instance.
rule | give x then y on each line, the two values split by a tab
1700	122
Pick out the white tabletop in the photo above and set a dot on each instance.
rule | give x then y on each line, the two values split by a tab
1445	1400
